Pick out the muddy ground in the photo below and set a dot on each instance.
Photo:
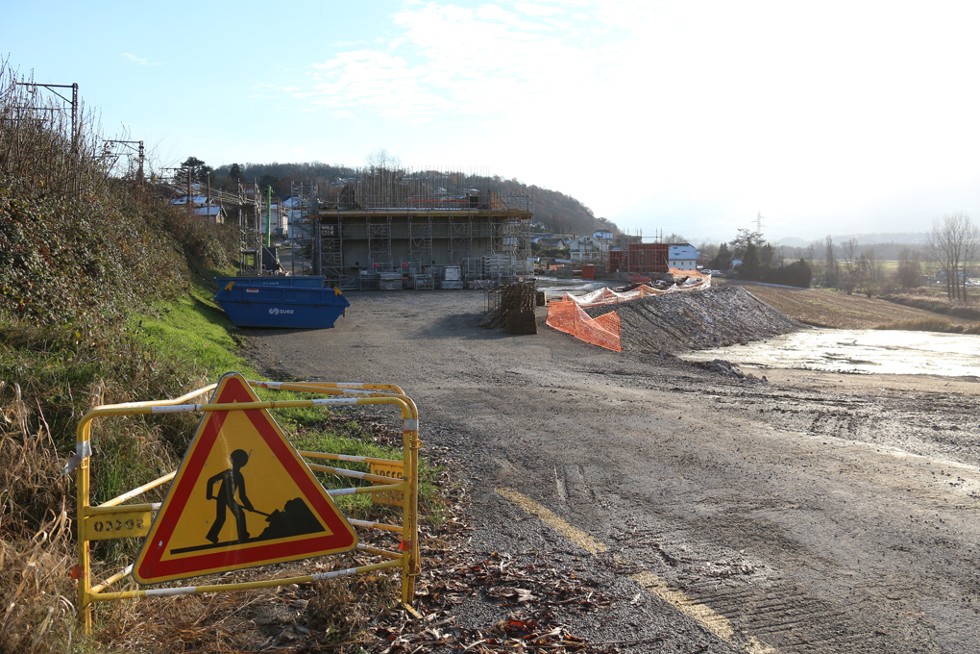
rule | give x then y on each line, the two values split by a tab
807	513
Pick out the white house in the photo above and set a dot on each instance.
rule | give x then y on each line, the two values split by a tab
279	223
550	241
587	248
200	206
682	256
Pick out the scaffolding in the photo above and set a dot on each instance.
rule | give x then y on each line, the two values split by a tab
420	243
379	242
414	224
302	229
250	238
301	206
460	238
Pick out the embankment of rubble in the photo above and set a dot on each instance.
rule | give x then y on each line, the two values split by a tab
714	317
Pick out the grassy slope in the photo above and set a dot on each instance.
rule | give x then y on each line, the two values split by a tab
93	319
190	330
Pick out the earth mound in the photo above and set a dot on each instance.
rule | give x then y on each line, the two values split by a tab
714	317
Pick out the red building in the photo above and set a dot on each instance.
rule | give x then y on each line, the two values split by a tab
640	258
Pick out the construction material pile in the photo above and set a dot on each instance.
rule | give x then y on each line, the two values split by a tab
670	322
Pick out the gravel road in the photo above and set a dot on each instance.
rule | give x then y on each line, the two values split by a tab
807	513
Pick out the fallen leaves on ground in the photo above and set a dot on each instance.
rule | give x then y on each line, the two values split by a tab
526	597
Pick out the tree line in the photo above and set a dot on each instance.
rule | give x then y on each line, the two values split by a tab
756	259
951	249
553	211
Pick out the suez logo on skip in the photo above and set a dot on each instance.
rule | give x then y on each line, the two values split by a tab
276	311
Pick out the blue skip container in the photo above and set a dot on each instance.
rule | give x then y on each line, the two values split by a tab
249	302
315	281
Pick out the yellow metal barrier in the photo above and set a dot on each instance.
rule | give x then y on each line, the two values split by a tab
115	519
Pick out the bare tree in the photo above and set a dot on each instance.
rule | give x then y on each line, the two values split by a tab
970	259
850	251
868	270
952	244
743	239
381	159
831	272
382	179
909	271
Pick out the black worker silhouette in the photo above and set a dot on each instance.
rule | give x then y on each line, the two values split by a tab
230	483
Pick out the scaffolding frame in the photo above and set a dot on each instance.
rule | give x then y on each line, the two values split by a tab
385	220
420	243
379	242
250	207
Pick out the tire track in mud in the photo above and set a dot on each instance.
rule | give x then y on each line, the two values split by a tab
941	429
708	618
572	486
757	615
764	610
790	621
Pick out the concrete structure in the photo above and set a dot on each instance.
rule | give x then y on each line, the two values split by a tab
385	223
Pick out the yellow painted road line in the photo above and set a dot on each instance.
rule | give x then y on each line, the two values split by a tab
703	614
574	534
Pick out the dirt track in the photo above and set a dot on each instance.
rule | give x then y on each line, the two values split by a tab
812	513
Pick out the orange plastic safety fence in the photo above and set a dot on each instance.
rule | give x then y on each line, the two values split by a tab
567	316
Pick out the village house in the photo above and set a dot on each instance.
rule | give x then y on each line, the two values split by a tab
682	256
211	211
590	248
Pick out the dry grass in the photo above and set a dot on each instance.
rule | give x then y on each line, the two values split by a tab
837	310
36	551
329	616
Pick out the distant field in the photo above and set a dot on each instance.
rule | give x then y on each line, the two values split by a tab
827	308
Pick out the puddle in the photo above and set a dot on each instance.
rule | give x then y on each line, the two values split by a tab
555	288
862	351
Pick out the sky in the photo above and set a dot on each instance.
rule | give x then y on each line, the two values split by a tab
692	117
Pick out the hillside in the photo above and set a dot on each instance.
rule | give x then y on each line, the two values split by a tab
553	210
90	269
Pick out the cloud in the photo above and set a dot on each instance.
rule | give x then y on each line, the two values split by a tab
795	110
139	61
373	81
460	63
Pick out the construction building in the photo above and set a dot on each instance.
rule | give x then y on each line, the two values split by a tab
387	229
640	258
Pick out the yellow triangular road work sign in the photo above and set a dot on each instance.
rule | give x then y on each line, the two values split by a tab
242	497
